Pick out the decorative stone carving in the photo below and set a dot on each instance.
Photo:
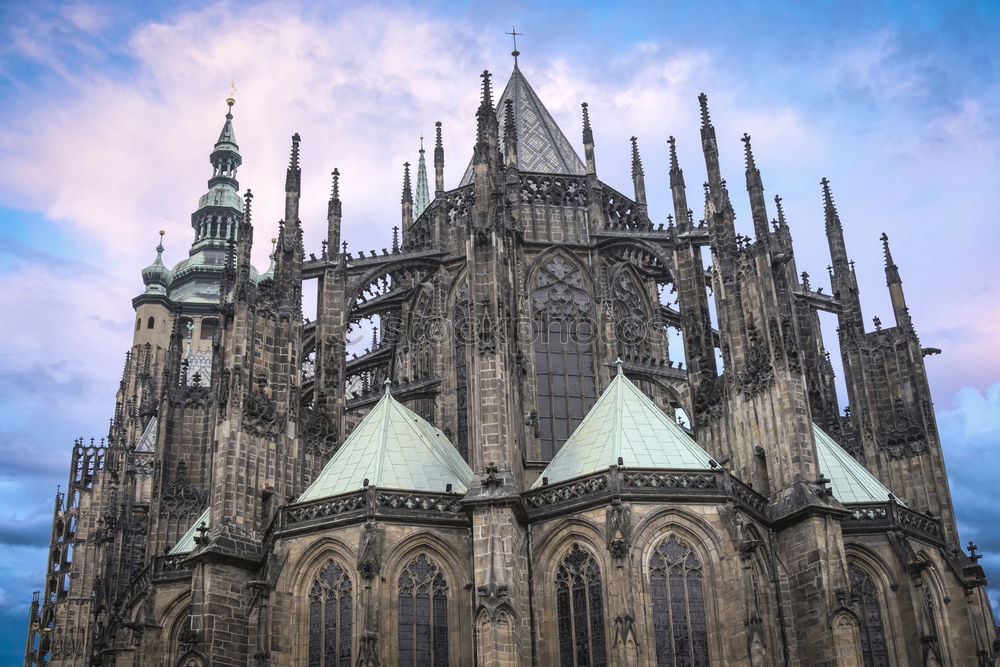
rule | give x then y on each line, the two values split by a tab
624	630
757	373
260	413
558	291
903	436
370	550
618	529
319	434
182	499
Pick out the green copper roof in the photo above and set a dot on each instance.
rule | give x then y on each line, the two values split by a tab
625	423
186	543
541	145
851	482
392	448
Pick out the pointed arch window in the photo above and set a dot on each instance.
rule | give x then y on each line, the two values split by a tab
679	627
564	352
580	611
330	618
865	594
423	615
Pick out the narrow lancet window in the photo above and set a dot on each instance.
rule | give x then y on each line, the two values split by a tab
564	352
423	615
330	618
865	594
676	584
580	611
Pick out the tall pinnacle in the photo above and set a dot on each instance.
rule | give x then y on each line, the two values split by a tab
588	141
407	198
423	196
638	177
438	160
510	135
829	208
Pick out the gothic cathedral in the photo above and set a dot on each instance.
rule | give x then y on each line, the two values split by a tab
538	430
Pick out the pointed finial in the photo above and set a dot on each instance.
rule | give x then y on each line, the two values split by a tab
395	238
387	384
293	162
706	120
588	134
335	187
159	247
487	95
407	190
510	127
781	211
247	201
891	270
748	152
421	143
674	164
618	366
636	160
437	135
829	208
231	100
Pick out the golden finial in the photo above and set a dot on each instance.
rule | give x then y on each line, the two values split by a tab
231	100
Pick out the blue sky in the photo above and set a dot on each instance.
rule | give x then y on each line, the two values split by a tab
108	111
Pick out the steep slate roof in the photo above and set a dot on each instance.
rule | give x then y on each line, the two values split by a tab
541	145
851	482
186	543
393	448
624	422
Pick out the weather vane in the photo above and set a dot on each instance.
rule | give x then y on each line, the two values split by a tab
515	34
231	100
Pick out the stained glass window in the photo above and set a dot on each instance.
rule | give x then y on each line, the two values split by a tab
679	625
580	611
423	615
564	353
330	618
866	595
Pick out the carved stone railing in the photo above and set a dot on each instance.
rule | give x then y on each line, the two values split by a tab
626	483
875	517
554	190
749	498
374	503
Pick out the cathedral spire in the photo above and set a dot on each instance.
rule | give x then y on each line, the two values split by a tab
407	198
891	270
588	141
638	176
438	160
423	197
219	210
486	125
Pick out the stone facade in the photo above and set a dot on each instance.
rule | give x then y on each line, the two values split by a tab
498	314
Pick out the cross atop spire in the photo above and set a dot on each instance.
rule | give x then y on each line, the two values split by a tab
514	35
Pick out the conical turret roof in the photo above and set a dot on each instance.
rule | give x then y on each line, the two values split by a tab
625	423
541	145
392	448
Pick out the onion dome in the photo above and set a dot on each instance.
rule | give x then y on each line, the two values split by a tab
157	276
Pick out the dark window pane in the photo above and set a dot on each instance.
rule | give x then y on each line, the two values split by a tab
580	610
681	636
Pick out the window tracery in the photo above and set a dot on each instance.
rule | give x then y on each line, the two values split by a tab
330	618
423	615
564	354
631	317
865	594
580	610
679	624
